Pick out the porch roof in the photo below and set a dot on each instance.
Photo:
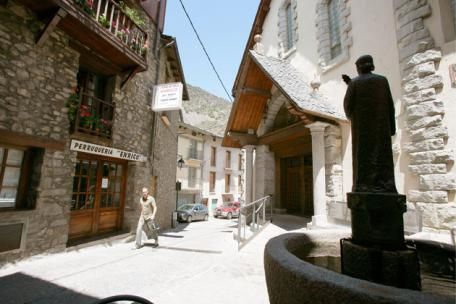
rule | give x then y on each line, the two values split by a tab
257	77
291	83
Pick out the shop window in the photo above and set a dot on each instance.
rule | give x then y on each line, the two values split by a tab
20	170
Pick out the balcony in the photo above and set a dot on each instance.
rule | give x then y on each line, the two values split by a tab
92	116
101	25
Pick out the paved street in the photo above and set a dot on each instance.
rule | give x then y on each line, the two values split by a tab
196	263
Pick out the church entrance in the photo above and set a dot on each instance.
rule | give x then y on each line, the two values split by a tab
296	185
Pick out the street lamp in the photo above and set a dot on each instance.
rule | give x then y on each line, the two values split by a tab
180	163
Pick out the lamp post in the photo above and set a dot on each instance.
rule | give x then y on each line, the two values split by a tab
180	163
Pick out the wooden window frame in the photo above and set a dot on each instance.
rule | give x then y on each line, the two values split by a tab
228	159
227	183
213	156
24	177
212	181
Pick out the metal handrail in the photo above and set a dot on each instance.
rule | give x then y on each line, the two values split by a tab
258	219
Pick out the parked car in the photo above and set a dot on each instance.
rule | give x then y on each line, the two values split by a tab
190	212
228	210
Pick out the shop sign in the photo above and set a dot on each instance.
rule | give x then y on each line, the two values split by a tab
167	97
86	147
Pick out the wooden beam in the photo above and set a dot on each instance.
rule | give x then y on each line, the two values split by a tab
256	91
244	138
59	15
131	74
21	139
306	118
295	131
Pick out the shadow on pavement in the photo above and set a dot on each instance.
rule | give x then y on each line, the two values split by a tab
22	288
290	222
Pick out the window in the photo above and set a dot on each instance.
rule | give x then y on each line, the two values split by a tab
192	179
239	162
334	28
239	183
227	183
194	149
287	27
91	110
290	30
211	181
213	156
333	33
19	176
448	19
228	159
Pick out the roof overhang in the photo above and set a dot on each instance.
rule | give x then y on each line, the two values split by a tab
173	57
256	79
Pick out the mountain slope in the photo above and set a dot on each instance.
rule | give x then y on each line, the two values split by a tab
206	111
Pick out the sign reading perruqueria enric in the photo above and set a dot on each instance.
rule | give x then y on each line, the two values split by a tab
82	146
167	97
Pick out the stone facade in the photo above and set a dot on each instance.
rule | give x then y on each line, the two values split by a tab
35	83
429	157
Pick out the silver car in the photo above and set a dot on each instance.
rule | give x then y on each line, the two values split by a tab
191	212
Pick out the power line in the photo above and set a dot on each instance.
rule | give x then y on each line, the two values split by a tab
204	49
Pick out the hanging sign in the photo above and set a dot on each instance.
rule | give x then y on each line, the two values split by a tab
167	97
82	146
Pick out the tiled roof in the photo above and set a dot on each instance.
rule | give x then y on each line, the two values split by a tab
291	82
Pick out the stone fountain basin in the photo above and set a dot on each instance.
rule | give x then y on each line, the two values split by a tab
291	280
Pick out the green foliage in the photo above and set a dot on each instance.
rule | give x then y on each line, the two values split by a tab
72	104
133	14
103	20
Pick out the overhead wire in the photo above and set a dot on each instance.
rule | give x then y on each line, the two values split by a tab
205	51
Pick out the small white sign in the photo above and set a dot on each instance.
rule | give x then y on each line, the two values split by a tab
167	97
104	183
86	147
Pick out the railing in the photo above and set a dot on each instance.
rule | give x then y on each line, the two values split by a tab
94	116
258	214
117	20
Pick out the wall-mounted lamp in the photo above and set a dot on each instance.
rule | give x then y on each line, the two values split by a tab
180	163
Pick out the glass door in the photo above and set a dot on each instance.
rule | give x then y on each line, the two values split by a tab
98	196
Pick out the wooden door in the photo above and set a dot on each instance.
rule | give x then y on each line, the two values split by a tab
294	189
98	196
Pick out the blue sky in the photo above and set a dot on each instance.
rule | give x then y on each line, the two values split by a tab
223	26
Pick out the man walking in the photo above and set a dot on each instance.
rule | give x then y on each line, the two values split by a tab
147	217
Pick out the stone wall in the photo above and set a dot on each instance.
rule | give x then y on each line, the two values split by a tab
430	158
34	85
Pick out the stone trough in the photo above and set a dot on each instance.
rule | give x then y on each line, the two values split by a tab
291	278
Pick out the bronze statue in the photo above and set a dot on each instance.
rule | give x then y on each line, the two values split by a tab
369	106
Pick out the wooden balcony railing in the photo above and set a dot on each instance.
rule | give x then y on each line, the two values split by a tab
116	19
94	116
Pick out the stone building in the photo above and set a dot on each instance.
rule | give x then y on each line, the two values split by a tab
78	138
212	175
288	108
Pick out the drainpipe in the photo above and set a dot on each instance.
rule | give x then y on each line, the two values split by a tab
156	81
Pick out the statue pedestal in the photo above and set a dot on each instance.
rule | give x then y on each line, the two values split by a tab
398	268
377	218
377	251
